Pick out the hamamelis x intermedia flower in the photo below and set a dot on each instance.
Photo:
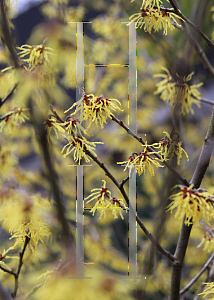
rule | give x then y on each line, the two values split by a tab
209	290
23	216
13	118
4	256
52	123
178	93
73	126
143	160
193	204
106	201
207	241
95	109
150	18
170	146
78	144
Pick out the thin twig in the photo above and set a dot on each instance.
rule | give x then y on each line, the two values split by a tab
21	254
120	122
16	274
188	286
177	12
2	101
208	101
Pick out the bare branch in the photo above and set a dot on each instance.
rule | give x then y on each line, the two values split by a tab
2	118
197	178
52	177
139	139
139	221
16	275
207	65
208	101
181	15
2	101
188	286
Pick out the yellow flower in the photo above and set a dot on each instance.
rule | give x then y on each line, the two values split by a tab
209	290
170	146
13	118
105	201
104	285
24	216
38	63
93	108
178	93
53	124
150	3
77	144
149	19
142	160
73	126
193	204
207	241
8	78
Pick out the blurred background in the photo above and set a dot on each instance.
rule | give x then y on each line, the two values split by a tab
106	41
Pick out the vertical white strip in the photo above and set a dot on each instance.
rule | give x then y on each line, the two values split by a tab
132	225
79	225
80	202
132	90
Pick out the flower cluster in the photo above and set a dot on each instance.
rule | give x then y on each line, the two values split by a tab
150	18
75	141
89	107
207	241
95	109
37	64
38	55
106	201
142	160
171	146
78	145
13	118
193	204
178	93
24	216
